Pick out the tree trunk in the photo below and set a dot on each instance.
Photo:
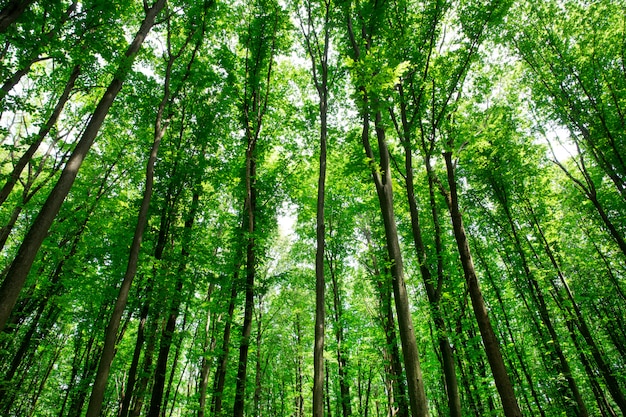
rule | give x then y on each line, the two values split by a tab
251	191
603	404
174	365
567	388
132	372
220	374
168	332
384	189
43	132
299	395
319	62
11	12
432	291
320	284
208	346
21	265
397	389
492	348
344	387
605	369
507	323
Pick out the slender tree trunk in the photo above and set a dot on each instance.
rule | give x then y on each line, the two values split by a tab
29	190
603	404
472	394
97	394
207	347
384	189
299	397
220	374
251	191
174	365
43	132
588	188
367	394
168	332
492	348
258	371
433	289
329	412
381	174
397	389
14	79
320	282
567	388
516	346
17	273
254	107
134	365
141	388
605	369
319	66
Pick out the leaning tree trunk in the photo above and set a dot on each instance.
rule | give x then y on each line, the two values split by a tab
492	348
208	346
433	287
396	387
342	362
43	132
17	273
219	381
605	368
97	394
384	188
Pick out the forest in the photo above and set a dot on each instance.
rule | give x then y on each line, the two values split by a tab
327	208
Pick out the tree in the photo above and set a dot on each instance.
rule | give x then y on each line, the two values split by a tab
371	106
317	46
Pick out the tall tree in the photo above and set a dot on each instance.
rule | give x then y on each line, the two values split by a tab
261	43
372	106
315	26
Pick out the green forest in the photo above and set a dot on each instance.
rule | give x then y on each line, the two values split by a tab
326	208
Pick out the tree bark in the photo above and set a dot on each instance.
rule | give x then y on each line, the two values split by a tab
97	394
208	347
11	12
319	67
396	389
342	362
492	348
220	374
250	205
384	190
132	372
433	288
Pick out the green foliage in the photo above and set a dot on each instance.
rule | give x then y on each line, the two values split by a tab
494	83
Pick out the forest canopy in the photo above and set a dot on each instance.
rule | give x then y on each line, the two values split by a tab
312	207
